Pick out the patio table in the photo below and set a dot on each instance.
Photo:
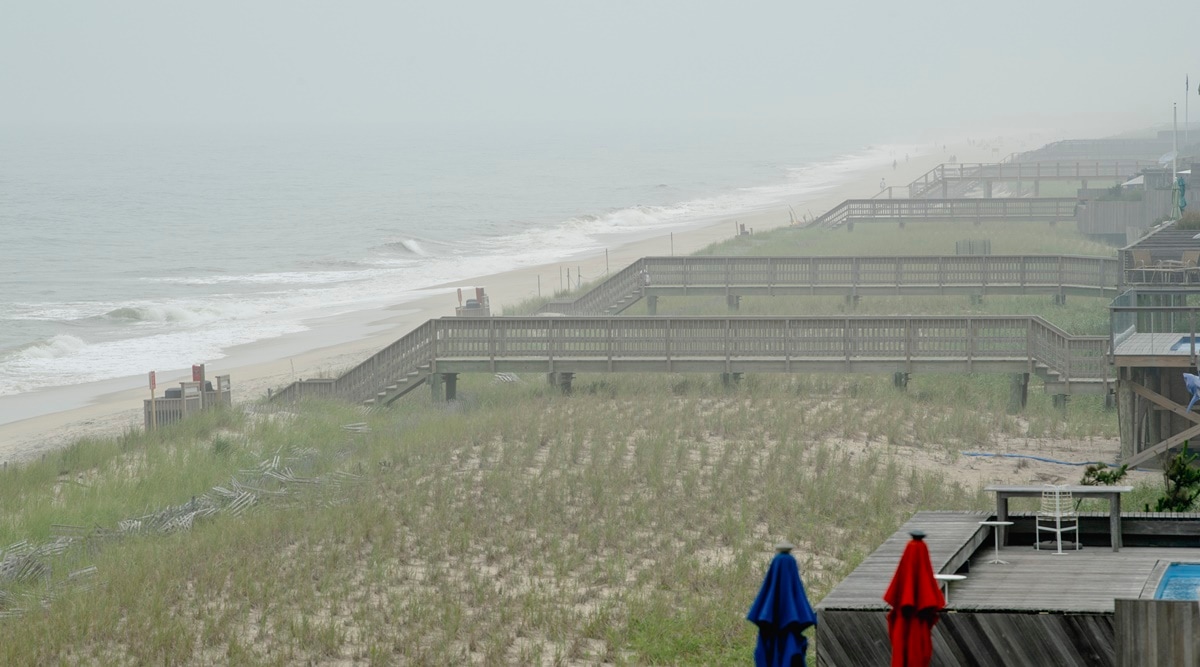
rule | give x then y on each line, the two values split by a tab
1111	493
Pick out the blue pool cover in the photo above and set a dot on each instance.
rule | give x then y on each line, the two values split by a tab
1185	343
1180	581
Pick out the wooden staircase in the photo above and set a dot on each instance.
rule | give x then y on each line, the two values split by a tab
624	302
392	392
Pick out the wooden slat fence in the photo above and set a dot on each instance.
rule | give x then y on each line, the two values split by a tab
1157	632
171	410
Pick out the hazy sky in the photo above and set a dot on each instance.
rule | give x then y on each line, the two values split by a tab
904	65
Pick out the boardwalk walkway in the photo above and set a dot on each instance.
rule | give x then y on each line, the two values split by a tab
1042	209
945	180
914	275
1015	344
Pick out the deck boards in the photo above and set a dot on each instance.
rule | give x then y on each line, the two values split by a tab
1156	344
946	533
1084	581
1080	581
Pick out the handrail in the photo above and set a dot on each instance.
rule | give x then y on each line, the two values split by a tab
795	272
1010	170
765	343
972	208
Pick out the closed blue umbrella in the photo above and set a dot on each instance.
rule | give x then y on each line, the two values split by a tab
782	612
1192	383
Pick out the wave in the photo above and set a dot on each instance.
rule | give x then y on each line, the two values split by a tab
410	248
158	314
278	278
61	345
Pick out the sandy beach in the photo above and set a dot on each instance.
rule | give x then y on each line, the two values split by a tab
103	409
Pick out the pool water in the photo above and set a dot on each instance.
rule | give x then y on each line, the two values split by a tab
1180	581
1185	343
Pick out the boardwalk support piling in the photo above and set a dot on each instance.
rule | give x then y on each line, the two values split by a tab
730	379
451	382
1060	402
436	389
1018	395
900	380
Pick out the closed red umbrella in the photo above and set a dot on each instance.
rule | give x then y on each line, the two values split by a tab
916	600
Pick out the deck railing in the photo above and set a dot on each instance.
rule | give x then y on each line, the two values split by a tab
961	209
597	300
163	411
935	178
917	273
702	344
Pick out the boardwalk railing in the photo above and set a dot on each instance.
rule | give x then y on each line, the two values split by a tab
937	179
163	411
910	274
754	344
973	209
600	300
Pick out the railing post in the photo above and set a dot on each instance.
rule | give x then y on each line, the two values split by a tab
1192	335
846	342
970	343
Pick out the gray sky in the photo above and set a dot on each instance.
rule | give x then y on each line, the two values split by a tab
905	65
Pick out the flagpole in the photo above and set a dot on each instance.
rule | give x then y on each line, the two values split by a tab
1175	211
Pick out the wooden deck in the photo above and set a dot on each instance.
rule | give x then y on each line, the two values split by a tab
952	538
1153	349
968	209
1038	609
1081	581
938	180
847	275
1005	344
1033	581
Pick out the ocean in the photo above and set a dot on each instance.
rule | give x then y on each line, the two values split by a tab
128	249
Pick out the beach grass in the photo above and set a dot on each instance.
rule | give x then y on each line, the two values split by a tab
629	523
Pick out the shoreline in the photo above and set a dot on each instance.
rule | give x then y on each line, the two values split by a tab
111	407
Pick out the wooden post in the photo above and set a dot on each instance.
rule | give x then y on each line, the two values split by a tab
153	403
435	387
1018	395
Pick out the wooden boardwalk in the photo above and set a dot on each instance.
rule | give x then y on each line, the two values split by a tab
922	275
1041	209
1005	344
938	181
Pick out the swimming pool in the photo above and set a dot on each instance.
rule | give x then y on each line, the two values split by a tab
1180	581
1185	344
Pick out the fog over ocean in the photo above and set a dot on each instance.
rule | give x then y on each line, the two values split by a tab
131	248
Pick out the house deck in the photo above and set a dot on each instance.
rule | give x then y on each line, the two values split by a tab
1038	608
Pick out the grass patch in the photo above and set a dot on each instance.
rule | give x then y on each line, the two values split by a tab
629	525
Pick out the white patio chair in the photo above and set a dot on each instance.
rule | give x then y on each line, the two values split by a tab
1058	510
